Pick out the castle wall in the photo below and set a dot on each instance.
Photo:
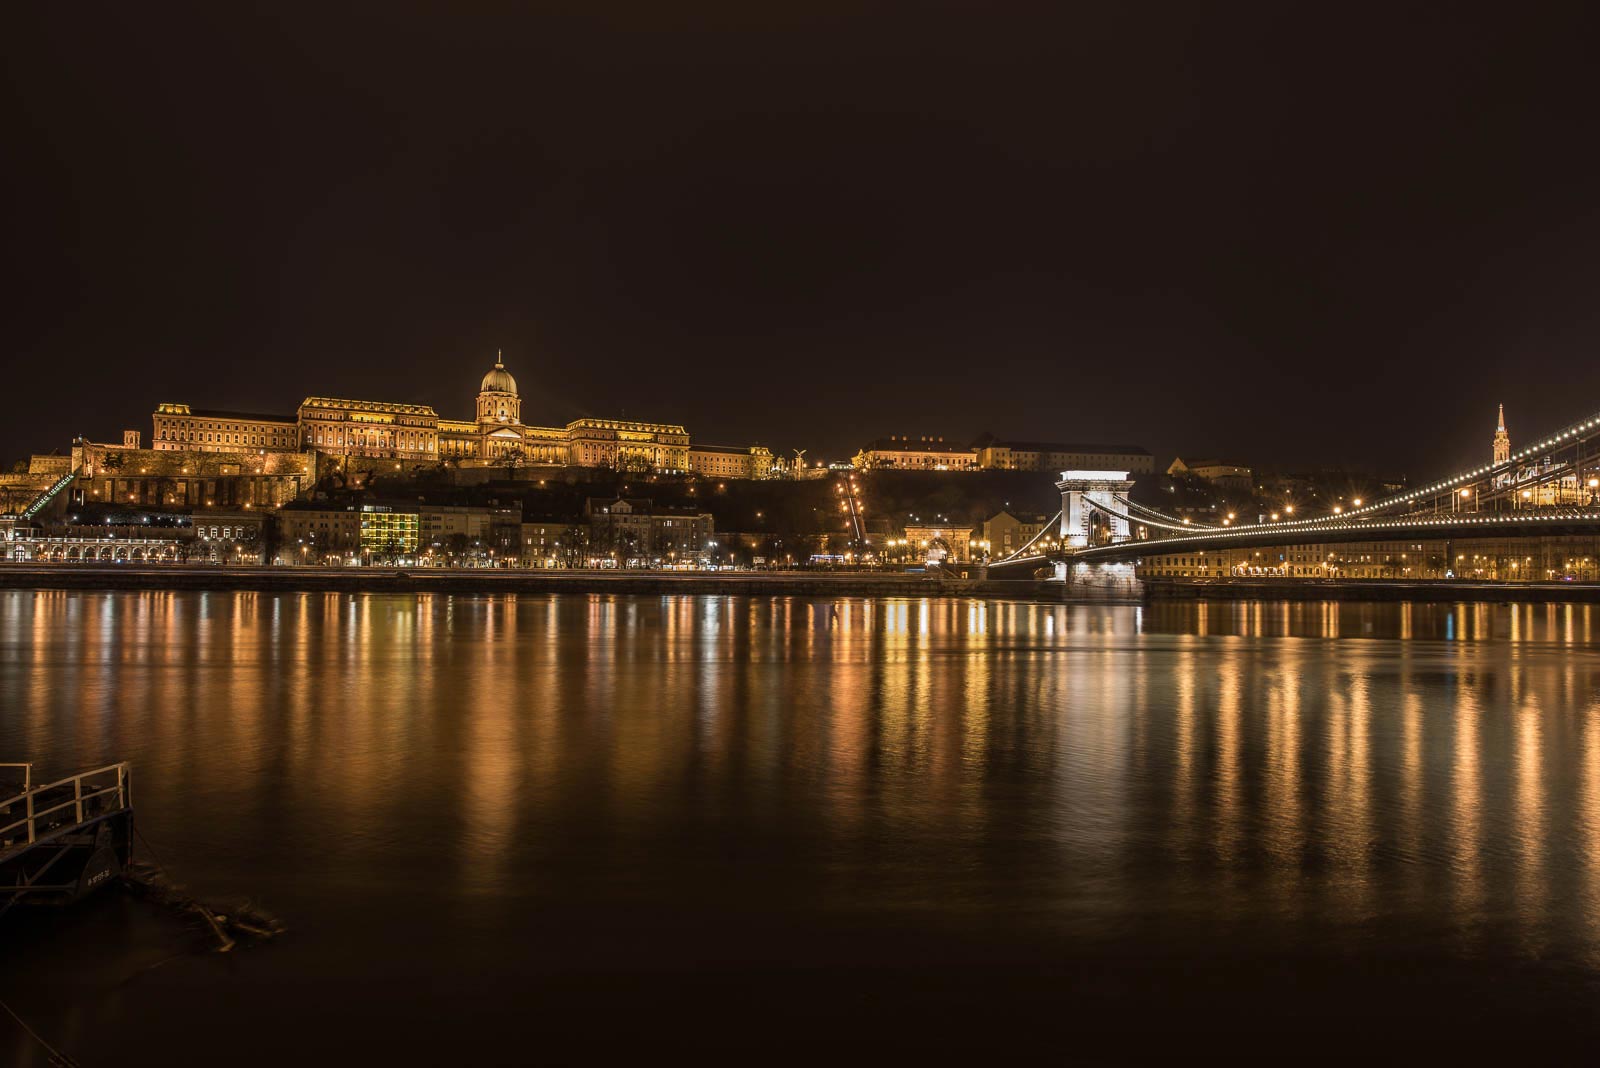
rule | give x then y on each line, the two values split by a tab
163	478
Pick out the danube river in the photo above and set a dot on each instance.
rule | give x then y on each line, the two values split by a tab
524	829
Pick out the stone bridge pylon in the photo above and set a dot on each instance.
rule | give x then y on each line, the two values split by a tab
1085	493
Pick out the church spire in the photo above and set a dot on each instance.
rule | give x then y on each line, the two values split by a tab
1502	440
1502	428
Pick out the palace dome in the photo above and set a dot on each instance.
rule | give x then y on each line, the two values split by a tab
498	380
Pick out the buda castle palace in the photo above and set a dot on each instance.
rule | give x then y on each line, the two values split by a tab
415	432
205	458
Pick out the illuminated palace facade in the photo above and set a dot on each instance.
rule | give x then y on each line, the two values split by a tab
415	432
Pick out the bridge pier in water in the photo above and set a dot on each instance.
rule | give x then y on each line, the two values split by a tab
1085	580
1085	497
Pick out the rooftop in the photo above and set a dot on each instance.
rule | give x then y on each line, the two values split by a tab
368	406
1061	446
222	413
907	444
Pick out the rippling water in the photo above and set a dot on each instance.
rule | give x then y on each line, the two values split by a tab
523	828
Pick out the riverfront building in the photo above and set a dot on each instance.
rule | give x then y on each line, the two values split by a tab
1551	558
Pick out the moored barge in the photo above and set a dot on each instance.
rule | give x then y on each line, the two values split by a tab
64	839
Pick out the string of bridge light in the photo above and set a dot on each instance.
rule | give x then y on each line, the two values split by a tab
1571	432
1043	532
1325	526
1175	524
1170	522
1319	524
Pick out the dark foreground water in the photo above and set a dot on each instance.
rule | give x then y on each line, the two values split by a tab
548	829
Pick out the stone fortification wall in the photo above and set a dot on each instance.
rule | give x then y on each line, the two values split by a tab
112	474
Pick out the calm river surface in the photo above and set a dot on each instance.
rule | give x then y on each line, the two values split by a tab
536	829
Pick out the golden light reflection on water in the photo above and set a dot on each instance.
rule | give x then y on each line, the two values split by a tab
1359	764
1588	849
1467	810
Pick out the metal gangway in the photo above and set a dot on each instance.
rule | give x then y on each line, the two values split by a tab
77	830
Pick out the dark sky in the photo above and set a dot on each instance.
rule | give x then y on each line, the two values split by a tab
1298	233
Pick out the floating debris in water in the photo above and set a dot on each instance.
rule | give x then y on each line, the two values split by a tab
244	923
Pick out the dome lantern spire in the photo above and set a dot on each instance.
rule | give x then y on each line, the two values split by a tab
498	380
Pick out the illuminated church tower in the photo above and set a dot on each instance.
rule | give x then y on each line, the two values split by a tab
1502	440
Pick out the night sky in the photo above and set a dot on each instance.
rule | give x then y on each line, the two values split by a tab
1291	233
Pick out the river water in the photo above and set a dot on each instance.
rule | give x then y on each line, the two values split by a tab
543	829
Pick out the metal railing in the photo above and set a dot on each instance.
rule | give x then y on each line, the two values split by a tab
61	805
48	495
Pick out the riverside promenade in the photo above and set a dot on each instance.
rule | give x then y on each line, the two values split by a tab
491	580
754	583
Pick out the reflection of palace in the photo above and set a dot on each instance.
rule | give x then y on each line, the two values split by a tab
383	430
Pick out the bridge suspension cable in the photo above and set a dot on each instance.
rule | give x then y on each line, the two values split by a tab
1179	525
1158	518
1053	523
1569	435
